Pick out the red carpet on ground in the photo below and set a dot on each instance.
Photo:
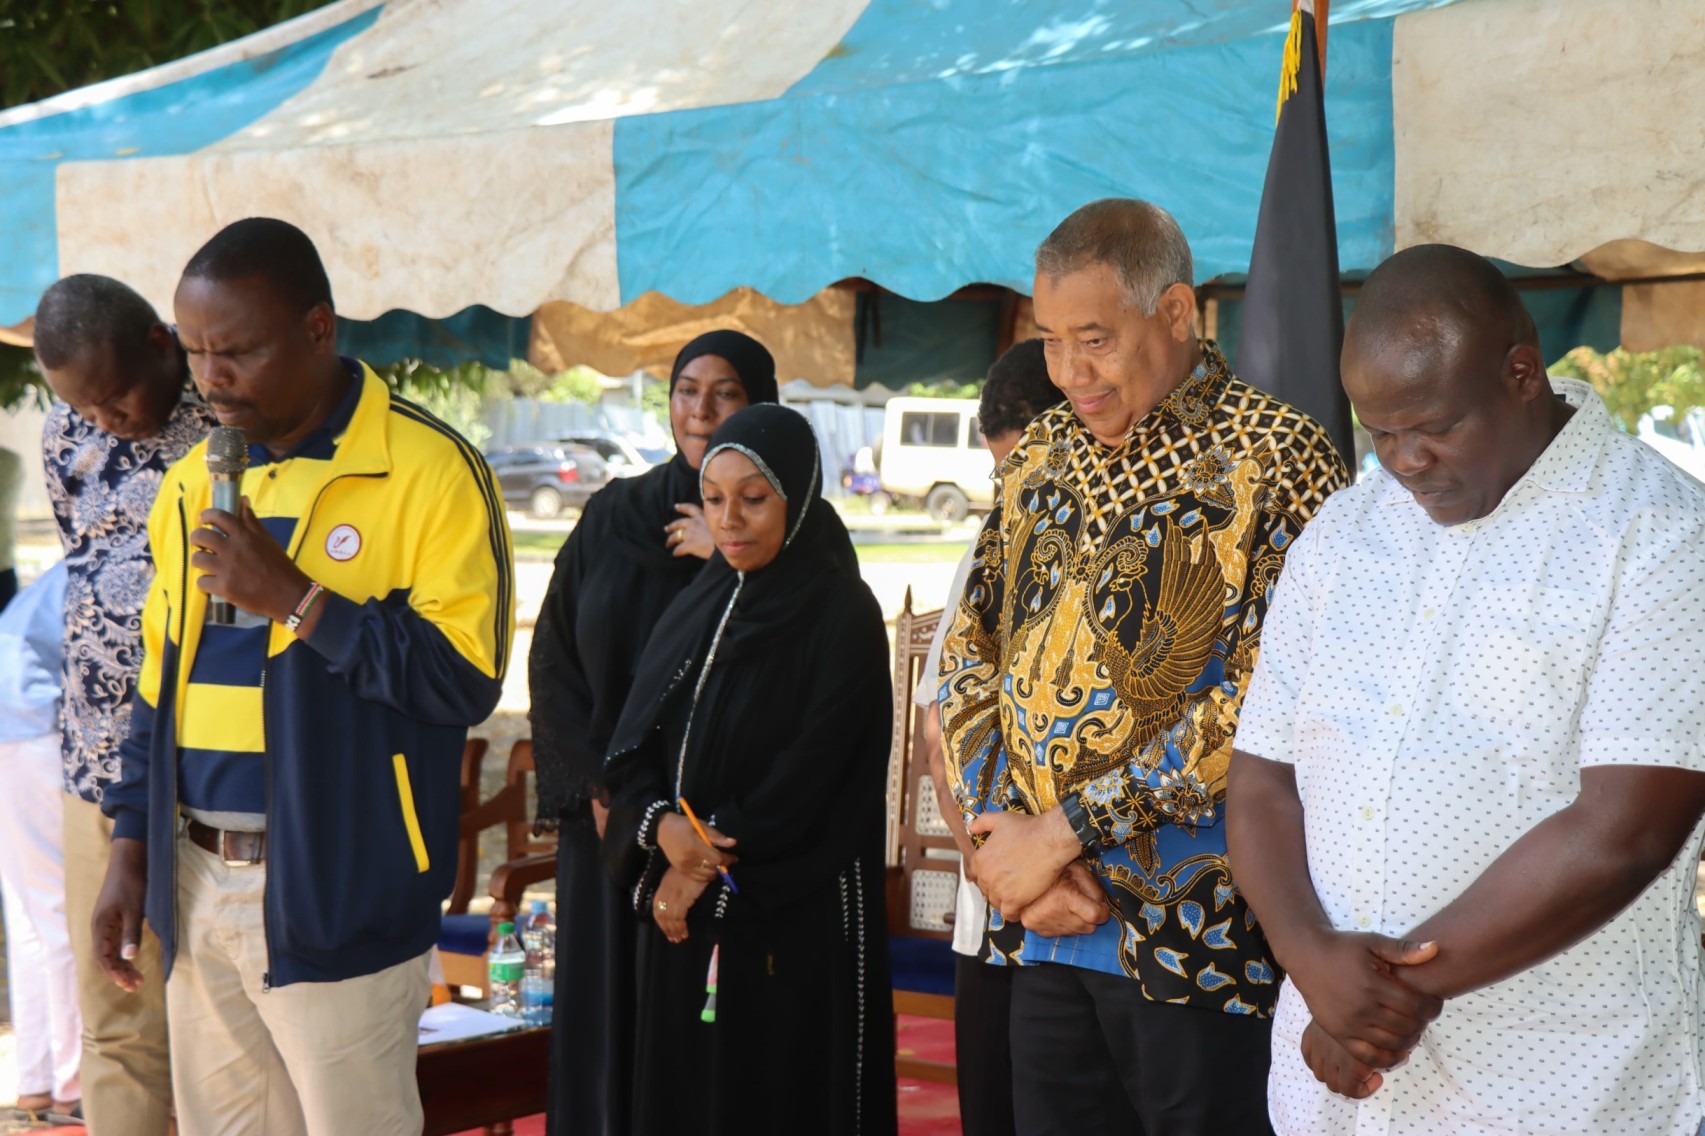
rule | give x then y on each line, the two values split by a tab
925	1109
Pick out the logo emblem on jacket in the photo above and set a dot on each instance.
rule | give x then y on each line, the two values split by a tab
343	542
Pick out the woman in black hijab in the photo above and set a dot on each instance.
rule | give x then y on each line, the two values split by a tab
638	544
763	701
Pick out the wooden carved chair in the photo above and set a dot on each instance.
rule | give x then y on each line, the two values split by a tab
923	872
465	939
531	859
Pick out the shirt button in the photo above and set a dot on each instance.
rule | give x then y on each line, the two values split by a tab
1368	812
1428	614
1363	921
1396	710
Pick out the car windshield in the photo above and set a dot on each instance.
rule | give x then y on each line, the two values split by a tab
656	455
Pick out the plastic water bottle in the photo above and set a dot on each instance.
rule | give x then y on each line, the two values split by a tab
505	967
538	984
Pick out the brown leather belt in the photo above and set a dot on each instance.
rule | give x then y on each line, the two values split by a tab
232	847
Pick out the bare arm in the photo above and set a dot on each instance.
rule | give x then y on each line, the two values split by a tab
1564	879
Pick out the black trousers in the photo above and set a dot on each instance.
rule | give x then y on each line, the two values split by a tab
1091	1055
982	1041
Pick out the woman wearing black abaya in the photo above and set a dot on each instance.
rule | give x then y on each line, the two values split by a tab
763	700
638	544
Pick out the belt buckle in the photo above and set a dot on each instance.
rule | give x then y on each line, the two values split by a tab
229	840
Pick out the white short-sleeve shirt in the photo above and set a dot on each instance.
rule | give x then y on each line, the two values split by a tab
970	909
1438	690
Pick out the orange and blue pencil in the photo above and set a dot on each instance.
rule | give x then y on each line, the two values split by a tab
692	818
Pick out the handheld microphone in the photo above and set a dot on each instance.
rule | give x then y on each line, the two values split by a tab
227	458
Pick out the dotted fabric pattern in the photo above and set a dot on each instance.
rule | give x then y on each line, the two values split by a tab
1438	690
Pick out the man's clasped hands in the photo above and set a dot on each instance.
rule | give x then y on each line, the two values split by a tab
1365	1017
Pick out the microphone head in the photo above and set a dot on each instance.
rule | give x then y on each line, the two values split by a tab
227	451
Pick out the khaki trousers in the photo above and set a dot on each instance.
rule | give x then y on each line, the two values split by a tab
308	1059
127	1081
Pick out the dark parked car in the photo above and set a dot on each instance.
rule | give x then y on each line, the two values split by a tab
547	477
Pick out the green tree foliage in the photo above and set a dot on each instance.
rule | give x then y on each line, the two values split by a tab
523	380
20	382
577	384
50	46
944	388
1633	383
454	395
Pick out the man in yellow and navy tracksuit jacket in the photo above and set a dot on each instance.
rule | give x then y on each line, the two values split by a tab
298	796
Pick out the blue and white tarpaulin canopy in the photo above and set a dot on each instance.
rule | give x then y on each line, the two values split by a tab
507	153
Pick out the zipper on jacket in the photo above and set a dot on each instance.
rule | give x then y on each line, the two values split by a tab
266	776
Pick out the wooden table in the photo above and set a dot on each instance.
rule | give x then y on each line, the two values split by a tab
484	1081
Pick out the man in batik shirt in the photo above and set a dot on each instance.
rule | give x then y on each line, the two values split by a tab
124	412
1092	680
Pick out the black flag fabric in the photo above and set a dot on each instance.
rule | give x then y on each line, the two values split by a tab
1292	326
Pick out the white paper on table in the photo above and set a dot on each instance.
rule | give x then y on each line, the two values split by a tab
453	1021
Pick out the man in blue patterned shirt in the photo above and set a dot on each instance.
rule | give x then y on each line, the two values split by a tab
124	411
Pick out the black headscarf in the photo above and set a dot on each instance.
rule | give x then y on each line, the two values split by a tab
614	577
750	359
817	557
647	503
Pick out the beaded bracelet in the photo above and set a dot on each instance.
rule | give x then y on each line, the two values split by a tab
301	612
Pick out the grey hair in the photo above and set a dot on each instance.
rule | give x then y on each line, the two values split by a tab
1139	240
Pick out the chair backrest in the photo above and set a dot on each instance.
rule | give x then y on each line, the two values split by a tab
522	842
506	807
924	861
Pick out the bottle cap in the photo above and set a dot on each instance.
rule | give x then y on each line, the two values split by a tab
540	907
505	929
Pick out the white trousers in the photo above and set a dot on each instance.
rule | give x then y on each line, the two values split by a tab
307	1059
43	969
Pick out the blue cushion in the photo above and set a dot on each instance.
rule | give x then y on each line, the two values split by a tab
464	934
923	966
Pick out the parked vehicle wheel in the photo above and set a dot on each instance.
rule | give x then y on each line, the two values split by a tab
544	503
948	503
879	502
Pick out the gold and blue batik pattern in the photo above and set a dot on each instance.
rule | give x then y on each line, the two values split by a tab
1106	638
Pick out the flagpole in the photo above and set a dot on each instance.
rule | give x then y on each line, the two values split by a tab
1322	10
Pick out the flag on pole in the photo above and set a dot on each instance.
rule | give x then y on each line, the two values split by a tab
1292	326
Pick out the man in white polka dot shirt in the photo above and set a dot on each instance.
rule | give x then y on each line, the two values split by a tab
1471	765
